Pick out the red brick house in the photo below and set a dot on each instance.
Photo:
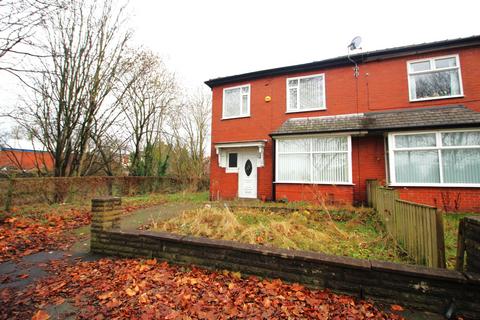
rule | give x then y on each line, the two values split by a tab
410	117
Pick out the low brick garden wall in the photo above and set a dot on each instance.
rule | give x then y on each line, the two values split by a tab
436	290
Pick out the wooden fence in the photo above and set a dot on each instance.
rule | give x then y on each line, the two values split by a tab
417	228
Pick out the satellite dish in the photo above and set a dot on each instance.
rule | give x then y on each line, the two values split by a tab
355	44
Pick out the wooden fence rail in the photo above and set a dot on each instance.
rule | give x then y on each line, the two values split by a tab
417	228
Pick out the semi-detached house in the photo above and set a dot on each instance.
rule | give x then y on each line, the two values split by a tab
407	116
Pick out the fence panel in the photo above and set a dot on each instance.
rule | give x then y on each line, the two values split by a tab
417	228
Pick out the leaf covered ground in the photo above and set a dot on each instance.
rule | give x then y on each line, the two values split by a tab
32	229
22	235
146	289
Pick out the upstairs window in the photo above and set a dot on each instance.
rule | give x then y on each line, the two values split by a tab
306	93
434	78
236	102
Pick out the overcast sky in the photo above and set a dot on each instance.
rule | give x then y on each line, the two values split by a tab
205	39
200	40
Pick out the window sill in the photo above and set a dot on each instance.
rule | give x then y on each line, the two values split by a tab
320	183
437	185
231	170
305	110
239	117
437	98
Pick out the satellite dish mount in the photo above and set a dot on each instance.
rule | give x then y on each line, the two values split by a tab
354	45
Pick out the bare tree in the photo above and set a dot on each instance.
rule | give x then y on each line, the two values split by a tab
18	21
73	93
147	101
190	137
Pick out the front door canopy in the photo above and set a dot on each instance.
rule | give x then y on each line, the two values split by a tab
223	148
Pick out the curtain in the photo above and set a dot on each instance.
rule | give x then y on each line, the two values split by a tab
417	166
232	103
311	93
294	167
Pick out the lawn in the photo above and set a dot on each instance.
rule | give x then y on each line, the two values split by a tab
351	232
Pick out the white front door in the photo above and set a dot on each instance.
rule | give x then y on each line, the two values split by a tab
247	175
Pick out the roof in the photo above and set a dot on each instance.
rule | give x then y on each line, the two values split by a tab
431	117
22	145
343	60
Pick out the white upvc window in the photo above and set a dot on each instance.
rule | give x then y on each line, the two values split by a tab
449	158
317	159
306	93
434	78
236	102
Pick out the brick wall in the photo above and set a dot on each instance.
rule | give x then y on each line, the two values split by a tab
446	199
424	288
382	85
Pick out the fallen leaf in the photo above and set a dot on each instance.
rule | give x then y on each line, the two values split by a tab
41	315
130	292
396	307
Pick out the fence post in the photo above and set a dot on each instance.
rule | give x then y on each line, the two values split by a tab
9	196
460	258
106	214
441	263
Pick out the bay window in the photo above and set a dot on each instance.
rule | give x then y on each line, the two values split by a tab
434	78
324	159
448	158
236	102
306	93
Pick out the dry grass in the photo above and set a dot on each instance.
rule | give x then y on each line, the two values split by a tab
340	233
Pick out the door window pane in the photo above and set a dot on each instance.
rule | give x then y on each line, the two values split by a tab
232	160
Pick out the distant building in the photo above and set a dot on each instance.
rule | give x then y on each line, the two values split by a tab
24	155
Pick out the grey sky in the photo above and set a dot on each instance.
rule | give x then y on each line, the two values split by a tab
205	39
210	38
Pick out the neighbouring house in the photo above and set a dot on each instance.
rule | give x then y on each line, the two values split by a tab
407	116
24	155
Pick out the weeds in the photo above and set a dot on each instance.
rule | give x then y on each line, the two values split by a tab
334	232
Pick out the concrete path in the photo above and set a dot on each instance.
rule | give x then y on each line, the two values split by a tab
13	274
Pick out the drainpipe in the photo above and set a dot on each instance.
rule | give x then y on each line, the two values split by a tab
274	186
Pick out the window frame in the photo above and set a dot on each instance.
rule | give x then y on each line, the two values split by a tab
311	153
241	94
324	99
439	147
432	63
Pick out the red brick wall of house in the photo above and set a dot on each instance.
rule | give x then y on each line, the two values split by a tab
382	85
446	199
26	160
